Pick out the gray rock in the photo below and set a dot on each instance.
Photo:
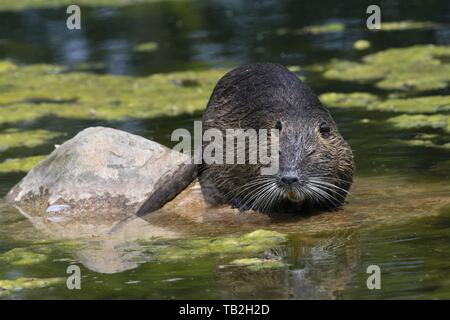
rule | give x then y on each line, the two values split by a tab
102	176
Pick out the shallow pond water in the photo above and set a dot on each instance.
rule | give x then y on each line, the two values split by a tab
149	69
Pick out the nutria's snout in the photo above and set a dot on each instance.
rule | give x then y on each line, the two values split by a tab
290	186
315	163
289	180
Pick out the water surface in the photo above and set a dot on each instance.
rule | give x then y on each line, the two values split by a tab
397	216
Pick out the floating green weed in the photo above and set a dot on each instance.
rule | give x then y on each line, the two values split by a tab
20	164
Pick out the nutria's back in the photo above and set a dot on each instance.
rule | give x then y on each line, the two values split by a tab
315	164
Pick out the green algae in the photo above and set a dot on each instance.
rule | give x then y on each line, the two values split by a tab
313	29
428	140
430	104
146	47
24	256
6	66
423	105
8	287
14	138
435	121
37	91
406	25
416	68
323	28
254	242
257	264
20	164
361	44
428	112
348	100
424	143
294	69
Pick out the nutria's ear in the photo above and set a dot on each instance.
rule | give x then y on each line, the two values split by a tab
278	125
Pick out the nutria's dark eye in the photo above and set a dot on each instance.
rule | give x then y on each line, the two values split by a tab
278	125
325	130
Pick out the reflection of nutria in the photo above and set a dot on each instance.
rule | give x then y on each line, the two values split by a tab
315	162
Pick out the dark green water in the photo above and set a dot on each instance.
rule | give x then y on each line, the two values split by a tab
398	216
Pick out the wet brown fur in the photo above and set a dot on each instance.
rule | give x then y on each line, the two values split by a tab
264	95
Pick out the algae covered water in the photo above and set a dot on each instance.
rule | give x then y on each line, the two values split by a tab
149	68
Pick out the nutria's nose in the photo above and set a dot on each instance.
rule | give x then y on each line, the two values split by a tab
289	179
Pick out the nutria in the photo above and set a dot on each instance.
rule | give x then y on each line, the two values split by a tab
315	162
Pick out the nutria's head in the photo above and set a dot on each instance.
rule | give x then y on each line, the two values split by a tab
315	162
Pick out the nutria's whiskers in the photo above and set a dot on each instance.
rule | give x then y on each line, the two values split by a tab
254	197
